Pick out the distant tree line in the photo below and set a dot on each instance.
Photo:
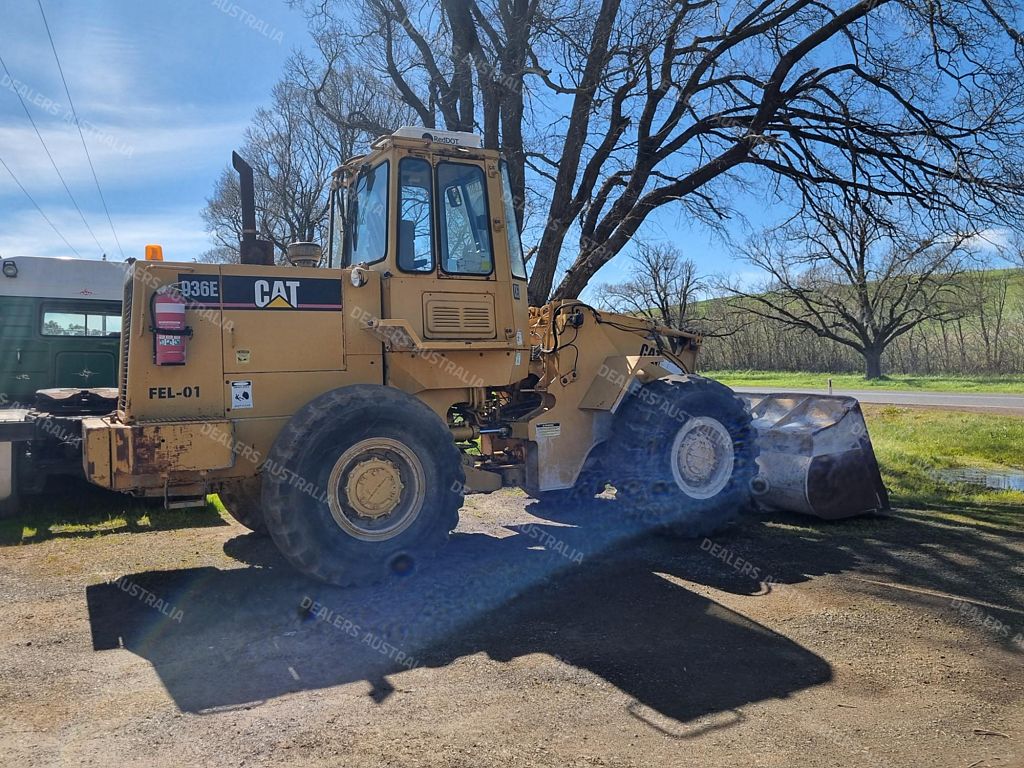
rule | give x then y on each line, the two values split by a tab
985	335
972	321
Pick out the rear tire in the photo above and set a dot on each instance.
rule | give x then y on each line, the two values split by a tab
363	482
243	503
686	454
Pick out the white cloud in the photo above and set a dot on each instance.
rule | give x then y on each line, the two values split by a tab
124	154
993	239
133	141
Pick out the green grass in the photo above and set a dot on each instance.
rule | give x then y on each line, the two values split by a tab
92	512
779	380
912	443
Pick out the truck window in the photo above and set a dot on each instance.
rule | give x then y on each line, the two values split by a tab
366	225
58	323
416	217
515	244
465	225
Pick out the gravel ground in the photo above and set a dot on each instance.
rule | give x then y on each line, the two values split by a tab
543	637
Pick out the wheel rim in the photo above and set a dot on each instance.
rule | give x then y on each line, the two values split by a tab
375	490
702	457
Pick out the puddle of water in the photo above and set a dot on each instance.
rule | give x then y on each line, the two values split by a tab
999	479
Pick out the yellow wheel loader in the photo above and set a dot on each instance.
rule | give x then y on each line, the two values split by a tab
346	403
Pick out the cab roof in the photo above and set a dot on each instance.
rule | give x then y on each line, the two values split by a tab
458	144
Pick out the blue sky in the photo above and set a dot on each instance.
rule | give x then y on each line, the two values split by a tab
164	90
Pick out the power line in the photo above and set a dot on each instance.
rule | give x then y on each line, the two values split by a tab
33	201
81	135
53	162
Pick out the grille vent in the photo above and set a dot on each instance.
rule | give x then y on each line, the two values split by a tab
126	332
458	316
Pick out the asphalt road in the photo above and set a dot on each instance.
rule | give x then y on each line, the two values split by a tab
954	400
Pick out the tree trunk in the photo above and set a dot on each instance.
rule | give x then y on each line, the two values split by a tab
560	215
872	363
512	59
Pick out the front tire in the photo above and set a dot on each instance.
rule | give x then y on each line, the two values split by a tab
687	454
362	483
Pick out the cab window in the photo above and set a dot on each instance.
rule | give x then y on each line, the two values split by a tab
464	220
366	218
515	244
415	220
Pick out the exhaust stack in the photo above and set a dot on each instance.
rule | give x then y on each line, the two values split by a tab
250	249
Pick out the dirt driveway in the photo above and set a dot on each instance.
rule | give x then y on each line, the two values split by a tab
543	637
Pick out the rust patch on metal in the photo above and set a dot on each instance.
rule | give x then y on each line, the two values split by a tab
121	451
147	446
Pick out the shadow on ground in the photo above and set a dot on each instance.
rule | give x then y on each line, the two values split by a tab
584	585
598	595
74	508
910	550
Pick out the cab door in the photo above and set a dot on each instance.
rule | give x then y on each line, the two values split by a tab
445	285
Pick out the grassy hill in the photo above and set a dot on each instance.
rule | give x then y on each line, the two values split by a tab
988	339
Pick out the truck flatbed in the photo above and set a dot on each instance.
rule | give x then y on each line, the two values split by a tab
15	426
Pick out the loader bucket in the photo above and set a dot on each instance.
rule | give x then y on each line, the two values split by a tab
815	456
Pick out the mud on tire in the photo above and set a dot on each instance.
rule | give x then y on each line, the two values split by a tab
672	464
363	482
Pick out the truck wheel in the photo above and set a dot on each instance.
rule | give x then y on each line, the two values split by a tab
687	454
243	503
363	482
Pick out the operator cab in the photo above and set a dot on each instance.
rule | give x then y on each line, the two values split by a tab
441	184
432	211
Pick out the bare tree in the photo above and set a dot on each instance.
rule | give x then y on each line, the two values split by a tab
845	271
637	104
293	146
661	285
985	293
352	105
223	218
